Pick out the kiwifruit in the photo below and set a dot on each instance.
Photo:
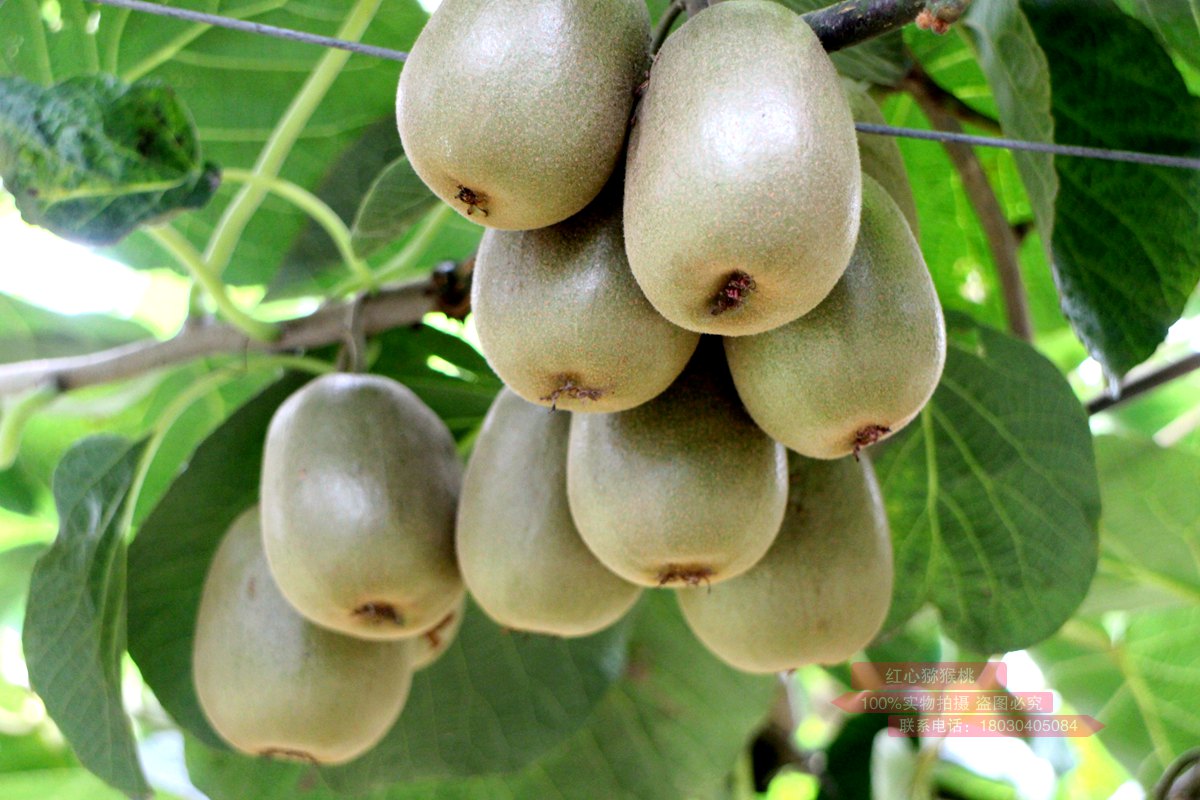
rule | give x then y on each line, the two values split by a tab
562	320
684	489
742	183
429	645
360	482
274	684
861	365
821	592
880	155
520	553
515	111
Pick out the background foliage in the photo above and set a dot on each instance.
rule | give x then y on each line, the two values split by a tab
1004	499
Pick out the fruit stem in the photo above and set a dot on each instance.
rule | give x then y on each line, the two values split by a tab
187	256
665	23
853	21
319	211
17	414
279	146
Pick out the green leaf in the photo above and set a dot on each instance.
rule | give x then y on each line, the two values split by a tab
1139	679
170	556
992	496
28	332
67	783
1176	22
672	726
93	158
313	259
1150	532
1019	77
460	400
74	632
396	200
493	702
1125	250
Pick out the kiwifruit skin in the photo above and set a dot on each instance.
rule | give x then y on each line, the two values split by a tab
562	321
429	645
821	593
271	682
742	158
683	488
870	355
521	555
360	483
880	155
525	102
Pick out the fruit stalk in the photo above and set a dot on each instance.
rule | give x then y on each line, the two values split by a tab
854	21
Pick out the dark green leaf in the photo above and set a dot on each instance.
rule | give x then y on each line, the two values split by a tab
1177	23
461	400
672	726
28	332
992	496
1150	532
396	200
314	257
1138	679
1125	246
93	158
1019	77
74	632
495	701
847	770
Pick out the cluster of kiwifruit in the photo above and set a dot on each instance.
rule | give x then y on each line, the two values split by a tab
675	293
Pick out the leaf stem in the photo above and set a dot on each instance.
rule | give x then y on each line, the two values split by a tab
182	251
279	146
16	415
405	261
319	211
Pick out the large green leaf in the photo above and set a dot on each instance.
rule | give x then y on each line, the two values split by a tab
992	495
93	158
672	726
1016	69
1150	532
1138	678
1126	254
237	86
1177	23
74	632
396	199
28	332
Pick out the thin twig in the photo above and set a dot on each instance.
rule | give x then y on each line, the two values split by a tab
392	308
999	233
1144	383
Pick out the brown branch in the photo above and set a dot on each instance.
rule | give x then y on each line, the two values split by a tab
1144	383
1002	241
403	305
